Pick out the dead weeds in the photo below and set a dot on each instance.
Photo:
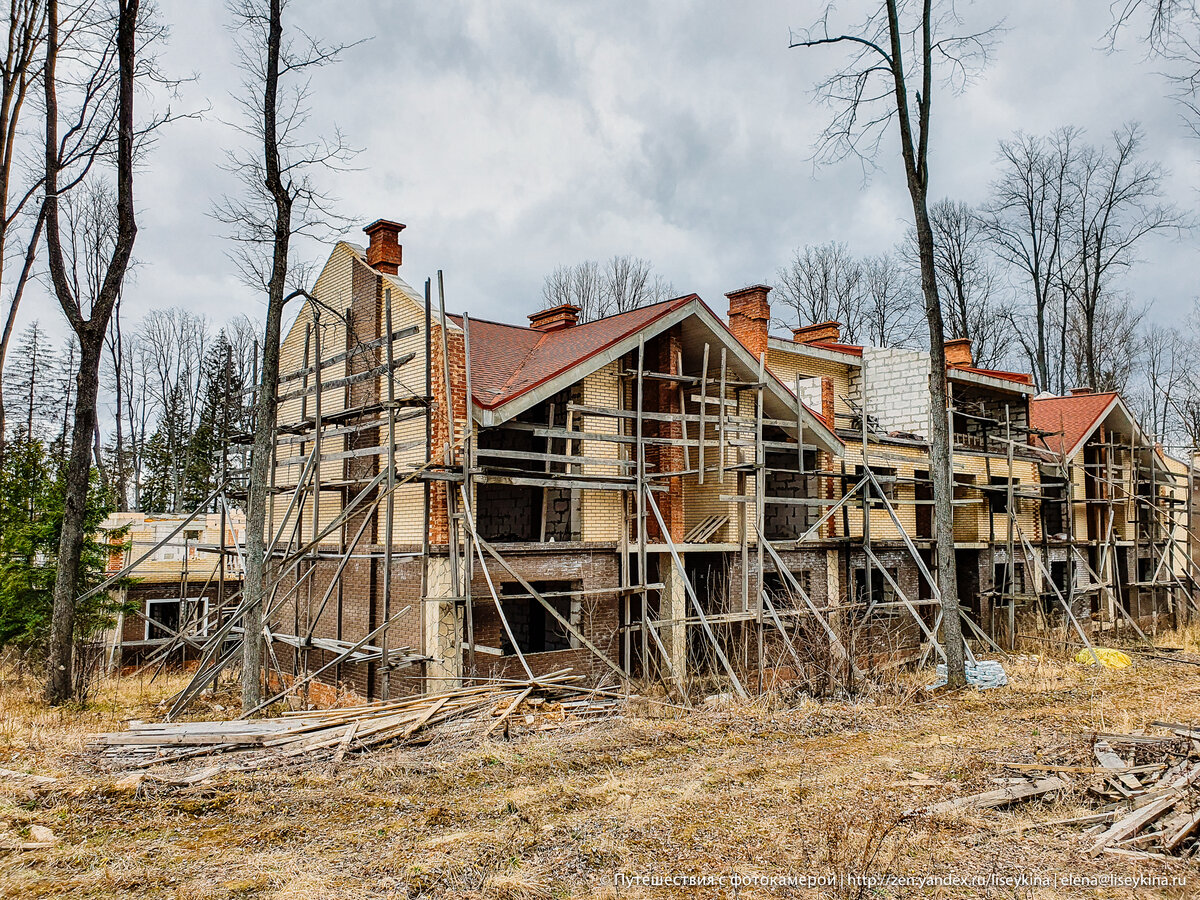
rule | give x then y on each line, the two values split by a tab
752	788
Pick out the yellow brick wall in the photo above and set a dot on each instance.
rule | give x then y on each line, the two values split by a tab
334	288
601	511
787	366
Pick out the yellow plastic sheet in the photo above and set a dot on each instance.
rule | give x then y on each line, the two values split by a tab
1109	658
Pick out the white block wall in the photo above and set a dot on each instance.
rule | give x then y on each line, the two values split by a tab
896	383
810	392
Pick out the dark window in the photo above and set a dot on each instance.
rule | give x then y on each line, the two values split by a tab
886	478
1000	579
1058	574
998	495
535	629
1054	509
1145	569
165	613
964	487
881	591
777	586
923	494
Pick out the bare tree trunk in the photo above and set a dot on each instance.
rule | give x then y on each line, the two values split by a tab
940	465
265	410
90	330
116	351
70	548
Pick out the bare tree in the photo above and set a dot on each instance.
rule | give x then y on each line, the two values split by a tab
279	201
1117	203
106	103
1027	220
1166	362
175	342
1109	363
891	303
629	283
115	382
622	284
900	43
1170	29
874	299
823	283
19	69
579	285
966	279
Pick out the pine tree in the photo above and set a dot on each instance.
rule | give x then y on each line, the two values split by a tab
31	514
29	385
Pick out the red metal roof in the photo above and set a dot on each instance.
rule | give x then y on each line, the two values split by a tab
852	349
508	360
1019	377
1073	418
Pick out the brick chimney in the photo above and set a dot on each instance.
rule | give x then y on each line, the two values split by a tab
384	252
555	318
958	352
1080	391
750	316
823	331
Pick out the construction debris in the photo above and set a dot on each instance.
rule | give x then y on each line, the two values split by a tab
1002	797
546	703
1147	787
984	674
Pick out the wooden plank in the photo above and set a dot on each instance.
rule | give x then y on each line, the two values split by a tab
1179	831
397	335
570	459
1138	819
1116	766
516	701
344	745
349	379
1000	797
1079	770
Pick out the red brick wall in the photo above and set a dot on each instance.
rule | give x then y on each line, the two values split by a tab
439	530
359	611
598	617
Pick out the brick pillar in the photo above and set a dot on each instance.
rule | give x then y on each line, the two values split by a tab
439	523
825	459
664	397
365	325
750	317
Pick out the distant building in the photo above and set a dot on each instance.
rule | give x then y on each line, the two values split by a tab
179	586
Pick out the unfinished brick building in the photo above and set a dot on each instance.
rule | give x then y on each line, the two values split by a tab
667	495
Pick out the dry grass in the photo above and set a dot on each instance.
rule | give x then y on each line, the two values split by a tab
750	788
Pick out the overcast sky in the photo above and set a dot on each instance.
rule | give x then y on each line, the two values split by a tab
513	136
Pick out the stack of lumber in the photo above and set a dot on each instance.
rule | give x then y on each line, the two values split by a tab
1159	807
309	735
1144	790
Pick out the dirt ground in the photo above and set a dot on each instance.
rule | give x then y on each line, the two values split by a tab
766	790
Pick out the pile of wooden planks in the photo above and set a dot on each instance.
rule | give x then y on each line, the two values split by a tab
541	704
1145	790
1161	799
